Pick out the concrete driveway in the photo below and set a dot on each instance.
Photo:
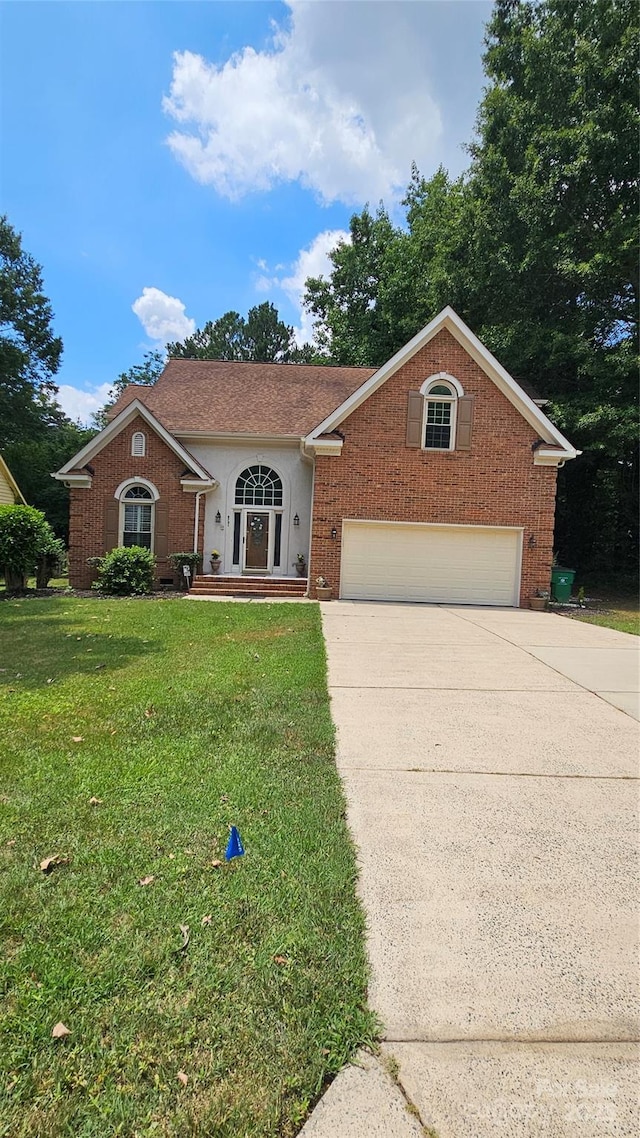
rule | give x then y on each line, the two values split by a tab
490	760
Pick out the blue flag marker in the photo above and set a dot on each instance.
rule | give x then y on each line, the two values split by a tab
234	845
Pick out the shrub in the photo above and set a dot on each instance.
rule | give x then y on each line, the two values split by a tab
25	535
177	560
124	572
50	561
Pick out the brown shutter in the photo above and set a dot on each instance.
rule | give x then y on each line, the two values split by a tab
111	514
415	410
161	533
464	422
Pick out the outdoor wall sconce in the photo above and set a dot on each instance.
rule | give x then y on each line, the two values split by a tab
532	541
218	518
296	520
334	533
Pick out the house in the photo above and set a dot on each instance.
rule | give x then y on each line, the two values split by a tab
432	478
10	493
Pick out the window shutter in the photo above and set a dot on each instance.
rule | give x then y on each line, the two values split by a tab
415	409
161	542
464	422
111	514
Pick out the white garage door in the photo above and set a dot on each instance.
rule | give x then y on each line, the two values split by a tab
399	561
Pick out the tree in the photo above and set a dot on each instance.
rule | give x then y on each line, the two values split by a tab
263	337
25	537
143	375
535	247
33	460
353	323
29	352
554	179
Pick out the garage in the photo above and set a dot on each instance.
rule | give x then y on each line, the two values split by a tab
406	561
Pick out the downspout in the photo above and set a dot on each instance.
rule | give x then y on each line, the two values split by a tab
196	523
313	490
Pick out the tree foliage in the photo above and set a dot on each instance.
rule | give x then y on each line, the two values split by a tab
29	351
25	536
263	337
32	461
535	247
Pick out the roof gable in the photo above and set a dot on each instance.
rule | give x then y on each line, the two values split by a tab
482	356
129	412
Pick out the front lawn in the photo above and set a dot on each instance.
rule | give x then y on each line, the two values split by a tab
180	719
611	610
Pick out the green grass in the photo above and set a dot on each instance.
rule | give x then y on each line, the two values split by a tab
192	717
612	611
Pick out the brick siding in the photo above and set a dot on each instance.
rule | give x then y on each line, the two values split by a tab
378	477
111	466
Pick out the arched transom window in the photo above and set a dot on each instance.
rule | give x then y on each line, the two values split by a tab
259	486
137	516
440	400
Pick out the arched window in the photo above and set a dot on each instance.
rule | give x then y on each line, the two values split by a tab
138	444
259	486
440	403
137	515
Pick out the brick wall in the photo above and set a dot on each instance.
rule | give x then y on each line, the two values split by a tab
112	466
377	476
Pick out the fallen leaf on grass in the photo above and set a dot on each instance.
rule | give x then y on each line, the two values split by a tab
184	1079
216	864
98	666
206	920
149	711
146	880
93	801
49	863
184	929
280	960
59	1031
77	738
11	842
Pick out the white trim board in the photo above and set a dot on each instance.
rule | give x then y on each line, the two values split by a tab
448	319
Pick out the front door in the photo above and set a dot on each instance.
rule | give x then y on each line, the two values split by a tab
256	546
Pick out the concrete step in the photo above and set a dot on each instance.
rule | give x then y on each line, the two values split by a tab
215	585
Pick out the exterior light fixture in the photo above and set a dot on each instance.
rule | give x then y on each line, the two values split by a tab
334	533
296	520
532	541
218	518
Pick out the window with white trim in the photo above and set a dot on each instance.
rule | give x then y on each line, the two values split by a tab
259	486
136	513
439	427
138	444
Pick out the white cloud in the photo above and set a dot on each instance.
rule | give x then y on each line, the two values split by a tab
339	102
162	317
80	404
311	262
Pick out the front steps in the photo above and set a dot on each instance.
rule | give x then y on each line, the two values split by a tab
214	585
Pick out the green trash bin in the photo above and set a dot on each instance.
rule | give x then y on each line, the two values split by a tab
561	583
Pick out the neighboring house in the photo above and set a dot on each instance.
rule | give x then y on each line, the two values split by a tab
10	493
431	478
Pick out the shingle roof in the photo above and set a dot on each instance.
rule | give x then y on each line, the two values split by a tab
222	396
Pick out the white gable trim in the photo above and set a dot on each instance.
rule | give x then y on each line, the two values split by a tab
118	424
504	382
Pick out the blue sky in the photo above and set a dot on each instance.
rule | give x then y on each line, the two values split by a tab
168	161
